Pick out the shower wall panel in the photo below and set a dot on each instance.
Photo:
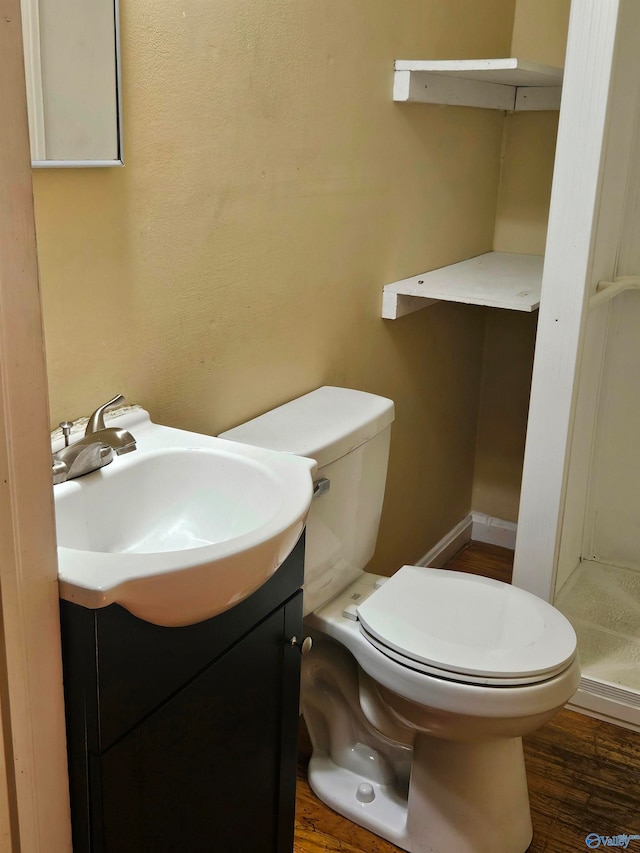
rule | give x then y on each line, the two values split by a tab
613	515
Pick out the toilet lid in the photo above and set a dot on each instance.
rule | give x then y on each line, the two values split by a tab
467	628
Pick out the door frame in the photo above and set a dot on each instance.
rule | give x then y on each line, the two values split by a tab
34	798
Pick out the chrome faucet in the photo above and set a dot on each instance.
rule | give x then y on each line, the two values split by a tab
120	440
78	459
93	451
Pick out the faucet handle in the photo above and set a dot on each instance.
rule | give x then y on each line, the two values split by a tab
96	421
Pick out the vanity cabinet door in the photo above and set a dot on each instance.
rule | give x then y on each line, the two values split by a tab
213	769
179	735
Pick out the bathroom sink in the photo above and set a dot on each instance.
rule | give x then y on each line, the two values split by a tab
181	529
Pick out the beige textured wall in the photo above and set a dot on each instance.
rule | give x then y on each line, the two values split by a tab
540	31
502	418
539	35
271	189
525	182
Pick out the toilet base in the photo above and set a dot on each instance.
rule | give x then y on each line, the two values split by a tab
466	797
385	815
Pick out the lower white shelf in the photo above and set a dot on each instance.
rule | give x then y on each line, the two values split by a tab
496	279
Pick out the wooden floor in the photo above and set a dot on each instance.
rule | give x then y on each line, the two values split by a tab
584	775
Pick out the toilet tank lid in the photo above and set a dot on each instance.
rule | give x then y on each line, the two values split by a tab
324	425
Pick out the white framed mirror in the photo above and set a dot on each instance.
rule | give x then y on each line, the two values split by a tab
72	66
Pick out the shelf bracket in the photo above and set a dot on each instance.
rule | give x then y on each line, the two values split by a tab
396	305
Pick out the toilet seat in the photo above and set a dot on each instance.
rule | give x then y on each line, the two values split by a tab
466	628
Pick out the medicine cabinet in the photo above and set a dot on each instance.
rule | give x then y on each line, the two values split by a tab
72	73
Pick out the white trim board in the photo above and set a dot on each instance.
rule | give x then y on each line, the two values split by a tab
449	545
35	794
494	531
475	526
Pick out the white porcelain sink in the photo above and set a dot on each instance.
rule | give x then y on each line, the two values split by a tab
181	529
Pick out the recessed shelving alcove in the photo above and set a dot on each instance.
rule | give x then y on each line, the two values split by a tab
494	279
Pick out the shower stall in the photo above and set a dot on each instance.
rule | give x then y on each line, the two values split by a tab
578	541
600	593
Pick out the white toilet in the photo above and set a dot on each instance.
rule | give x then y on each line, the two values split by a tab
419	687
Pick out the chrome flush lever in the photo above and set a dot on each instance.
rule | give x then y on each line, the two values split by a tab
321	486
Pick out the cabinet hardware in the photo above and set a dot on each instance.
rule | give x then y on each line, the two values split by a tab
304	647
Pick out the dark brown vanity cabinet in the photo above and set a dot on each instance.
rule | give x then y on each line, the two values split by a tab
183	740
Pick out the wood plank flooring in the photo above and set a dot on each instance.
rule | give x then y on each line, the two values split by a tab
478	558
583	774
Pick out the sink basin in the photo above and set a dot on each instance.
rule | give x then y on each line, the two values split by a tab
181	529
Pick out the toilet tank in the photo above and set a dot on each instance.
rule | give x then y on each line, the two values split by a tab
347	433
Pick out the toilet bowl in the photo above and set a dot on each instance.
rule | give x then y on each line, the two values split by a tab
420	686
461	732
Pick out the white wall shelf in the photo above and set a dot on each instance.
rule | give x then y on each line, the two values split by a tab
499	84
496	279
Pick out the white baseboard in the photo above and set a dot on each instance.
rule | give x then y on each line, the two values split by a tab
494	531
476	526
449	545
